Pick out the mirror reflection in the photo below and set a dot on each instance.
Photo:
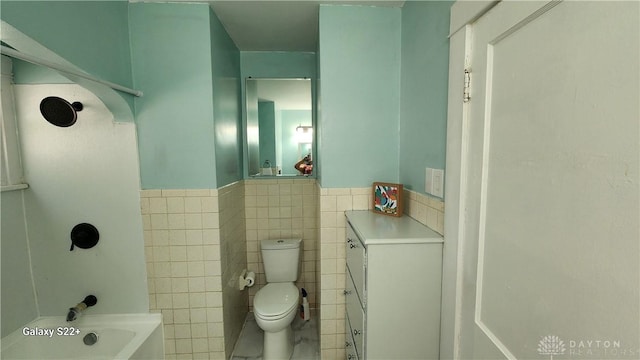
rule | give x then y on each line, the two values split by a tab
279	127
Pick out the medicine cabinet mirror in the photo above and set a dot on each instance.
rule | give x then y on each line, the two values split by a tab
279	127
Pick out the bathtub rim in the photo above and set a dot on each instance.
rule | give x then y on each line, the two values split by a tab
149	322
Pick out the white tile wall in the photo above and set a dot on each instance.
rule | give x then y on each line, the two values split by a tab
233	248
198	241
282	208
183	242
331	269
426	209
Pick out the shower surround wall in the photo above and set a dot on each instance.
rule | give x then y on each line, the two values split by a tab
20	307
84	173
195	249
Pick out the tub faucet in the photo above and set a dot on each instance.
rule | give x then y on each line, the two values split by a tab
75	311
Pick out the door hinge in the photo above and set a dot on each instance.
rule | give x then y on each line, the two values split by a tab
467	84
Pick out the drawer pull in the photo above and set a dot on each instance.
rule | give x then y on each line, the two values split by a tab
347	344
357	332
349	240
346	292
351	356
353	246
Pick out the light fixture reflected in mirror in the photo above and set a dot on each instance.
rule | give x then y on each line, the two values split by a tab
304	134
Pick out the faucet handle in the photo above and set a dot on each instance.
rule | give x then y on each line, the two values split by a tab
90	300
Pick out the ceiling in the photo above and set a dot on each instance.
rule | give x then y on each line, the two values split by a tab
277	25
287	94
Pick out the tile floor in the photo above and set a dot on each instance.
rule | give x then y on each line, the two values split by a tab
307	342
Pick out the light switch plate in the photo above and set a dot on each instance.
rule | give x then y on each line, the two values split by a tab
428	181
437	182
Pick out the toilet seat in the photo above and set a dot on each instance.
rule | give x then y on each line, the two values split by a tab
275	300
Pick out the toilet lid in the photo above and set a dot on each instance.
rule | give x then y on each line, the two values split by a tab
275	299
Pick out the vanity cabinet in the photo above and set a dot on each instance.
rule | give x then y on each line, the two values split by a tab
393	287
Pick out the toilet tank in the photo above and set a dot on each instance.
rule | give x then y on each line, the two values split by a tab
281	259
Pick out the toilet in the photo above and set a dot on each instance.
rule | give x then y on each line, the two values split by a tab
276	304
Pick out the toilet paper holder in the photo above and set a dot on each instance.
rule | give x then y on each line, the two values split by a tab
246	279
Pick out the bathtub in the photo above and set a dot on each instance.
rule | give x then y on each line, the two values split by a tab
127	336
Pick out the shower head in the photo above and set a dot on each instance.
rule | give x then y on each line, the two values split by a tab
60	112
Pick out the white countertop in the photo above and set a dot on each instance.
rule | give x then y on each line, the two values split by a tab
375	228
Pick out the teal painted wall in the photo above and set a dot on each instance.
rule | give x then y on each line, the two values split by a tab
27	73
267	130
93	35
317	171
278	64
360	64
424	84
227	113
187	84
424	49
171	56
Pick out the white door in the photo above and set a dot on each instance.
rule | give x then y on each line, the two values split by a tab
551	241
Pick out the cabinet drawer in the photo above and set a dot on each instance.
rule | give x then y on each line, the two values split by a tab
355	316
356	263
350	345
356	319
350	293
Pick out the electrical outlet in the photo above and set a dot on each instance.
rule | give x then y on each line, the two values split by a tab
438	183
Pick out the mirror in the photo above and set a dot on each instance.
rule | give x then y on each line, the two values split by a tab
279	127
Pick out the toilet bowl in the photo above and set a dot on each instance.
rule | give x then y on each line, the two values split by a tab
275	305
